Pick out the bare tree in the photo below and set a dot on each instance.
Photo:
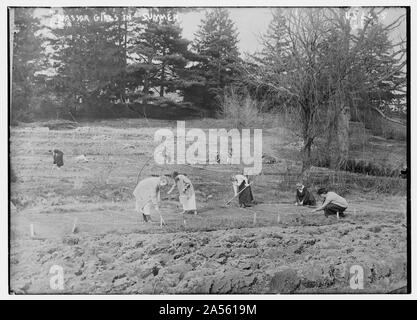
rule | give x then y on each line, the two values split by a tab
359	60
290	68
314	63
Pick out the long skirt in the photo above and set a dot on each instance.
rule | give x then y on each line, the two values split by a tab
246	196
332	208
188	202
145	208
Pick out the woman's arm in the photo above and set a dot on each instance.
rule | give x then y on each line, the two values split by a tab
325	203
172	189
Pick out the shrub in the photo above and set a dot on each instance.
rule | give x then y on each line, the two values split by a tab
241	110
384	128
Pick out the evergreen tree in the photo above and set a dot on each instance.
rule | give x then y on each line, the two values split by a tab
159	52
275	55
381	69
90	56
218	56
276	44
26	60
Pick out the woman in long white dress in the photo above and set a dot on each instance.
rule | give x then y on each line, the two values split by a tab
186	191
147	195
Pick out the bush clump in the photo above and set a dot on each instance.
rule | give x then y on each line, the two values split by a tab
241	110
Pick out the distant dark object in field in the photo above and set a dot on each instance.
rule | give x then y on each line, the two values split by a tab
58	157
218	158
404	173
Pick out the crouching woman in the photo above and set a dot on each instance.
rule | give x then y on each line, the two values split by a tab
332	203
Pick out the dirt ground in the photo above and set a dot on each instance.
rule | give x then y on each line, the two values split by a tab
273	247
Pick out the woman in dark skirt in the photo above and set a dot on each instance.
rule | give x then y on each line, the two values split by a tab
241	186
303	196
58	156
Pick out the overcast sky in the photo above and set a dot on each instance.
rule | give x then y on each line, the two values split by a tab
251	23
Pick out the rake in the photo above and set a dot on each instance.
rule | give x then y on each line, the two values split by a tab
228	202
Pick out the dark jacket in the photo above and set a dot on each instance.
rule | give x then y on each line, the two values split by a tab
58	157
306	197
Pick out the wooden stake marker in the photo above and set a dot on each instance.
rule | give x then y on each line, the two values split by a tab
74	226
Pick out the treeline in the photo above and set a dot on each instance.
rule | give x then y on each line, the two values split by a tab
315	66
85	61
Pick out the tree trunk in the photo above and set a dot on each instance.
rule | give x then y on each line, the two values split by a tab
338	138
146	83
161	91
343	132
331	146
343	108
307	154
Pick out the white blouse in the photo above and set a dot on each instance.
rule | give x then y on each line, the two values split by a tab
239	178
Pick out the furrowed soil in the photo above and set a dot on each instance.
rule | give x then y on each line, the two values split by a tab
81	218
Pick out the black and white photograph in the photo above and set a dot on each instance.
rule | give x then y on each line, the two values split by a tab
208	150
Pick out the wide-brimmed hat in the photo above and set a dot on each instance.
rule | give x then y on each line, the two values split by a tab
299	185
